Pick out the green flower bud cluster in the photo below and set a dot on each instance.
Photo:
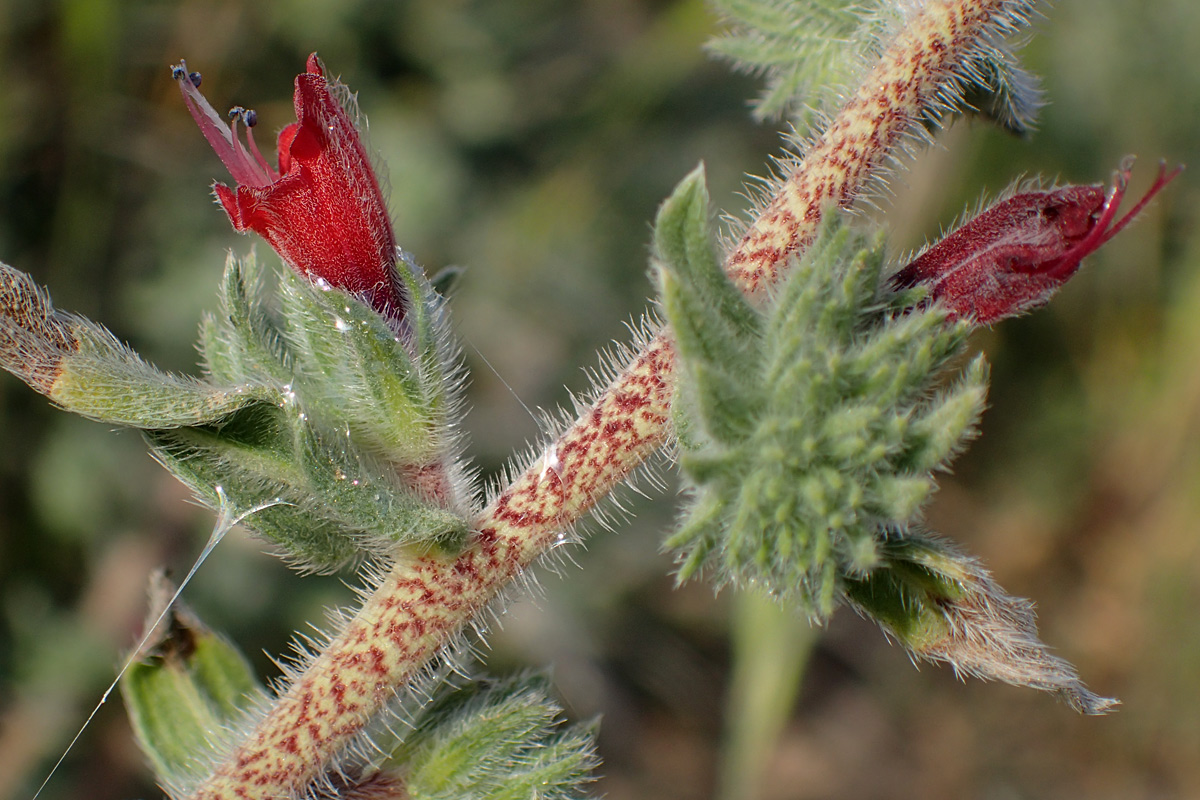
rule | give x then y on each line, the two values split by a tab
809	426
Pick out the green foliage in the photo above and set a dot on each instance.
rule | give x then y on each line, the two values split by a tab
187	688
810	51
66	196
808	426
942	605
354	407
807	50
499	741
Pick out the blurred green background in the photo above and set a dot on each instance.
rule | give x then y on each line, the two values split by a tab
530	141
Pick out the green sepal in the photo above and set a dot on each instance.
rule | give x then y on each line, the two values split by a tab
908	591
325	503
388	383
496	741
246	342
187	687
354	369
365	499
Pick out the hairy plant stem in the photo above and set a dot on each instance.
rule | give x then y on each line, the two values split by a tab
422	603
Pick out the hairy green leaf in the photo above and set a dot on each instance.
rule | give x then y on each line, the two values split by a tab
497	741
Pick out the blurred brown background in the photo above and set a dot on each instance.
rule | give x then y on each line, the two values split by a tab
531	141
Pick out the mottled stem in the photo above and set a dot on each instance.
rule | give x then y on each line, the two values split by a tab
421	604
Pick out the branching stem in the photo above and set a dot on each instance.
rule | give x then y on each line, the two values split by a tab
421	604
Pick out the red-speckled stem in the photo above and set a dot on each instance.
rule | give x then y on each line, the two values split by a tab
421	604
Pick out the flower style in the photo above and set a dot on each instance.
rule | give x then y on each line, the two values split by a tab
322	210
1014	256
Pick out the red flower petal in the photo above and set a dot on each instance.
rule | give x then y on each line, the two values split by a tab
323	212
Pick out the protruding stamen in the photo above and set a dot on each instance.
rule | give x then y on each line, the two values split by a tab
1164	177
247	170
1105	228
249	118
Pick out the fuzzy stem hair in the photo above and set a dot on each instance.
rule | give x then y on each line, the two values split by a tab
422	603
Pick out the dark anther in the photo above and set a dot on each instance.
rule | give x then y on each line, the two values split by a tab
248	116
179	72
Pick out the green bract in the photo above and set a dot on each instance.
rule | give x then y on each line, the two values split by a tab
187	688
360	412
943	606
499	741
808	426
333	426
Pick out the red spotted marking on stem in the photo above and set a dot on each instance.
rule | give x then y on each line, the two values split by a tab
866	131
418	608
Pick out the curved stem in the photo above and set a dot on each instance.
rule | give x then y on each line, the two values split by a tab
421	604
771	650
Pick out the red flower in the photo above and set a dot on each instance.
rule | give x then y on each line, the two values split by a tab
1014	256
322	210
